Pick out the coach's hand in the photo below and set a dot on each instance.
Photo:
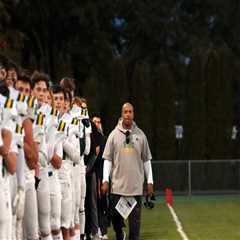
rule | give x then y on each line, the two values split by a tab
105	187
150	189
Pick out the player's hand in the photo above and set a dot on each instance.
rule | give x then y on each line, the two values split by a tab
4	151
149	189
56	161
105	187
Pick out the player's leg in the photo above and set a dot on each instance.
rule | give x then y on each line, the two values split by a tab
55	198
66	209
77	181
43	199
82	217
30	219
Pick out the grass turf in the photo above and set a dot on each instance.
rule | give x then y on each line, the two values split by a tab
210	218
157	224
202	218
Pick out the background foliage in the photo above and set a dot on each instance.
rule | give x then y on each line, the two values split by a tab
177	61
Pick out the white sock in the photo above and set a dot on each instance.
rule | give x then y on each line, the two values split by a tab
19	232
14	222
57	237
82	222
77	234
49	237
99	232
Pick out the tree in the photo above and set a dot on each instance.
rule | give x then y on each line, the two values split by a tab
195	118
219	106
164	93
141	95
116	93
226	102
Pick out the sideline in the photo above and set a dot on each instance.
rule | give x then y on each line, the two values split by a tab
178	223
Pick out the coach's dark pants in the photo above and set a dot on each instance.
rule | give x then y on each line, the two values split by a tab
134	219
91	225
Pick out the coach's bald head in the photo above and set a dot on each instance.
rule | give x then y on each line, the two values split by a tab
127	115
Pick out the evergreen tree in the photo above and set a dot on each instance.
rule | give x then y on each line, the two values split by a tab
195	118
116	94
92	94
218	77
226	100
164	112
141	96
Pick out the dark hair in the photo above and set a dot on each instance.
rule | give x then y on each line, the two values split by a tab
83	100
11	65
24	77
68	95
4	90
58	89
39	77
68	83
77	101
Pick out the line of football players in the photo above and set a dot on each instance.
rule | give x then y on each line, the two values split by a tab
44	137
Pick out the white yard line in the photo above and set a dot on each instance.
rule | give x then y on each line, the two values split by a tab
178	223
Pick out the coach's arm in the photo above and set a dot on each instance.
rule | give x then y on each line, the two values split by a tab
107	166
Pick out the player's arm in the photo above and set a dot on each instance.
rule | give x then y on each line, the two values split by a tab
72	150
30	147
10	157
88	144
88	130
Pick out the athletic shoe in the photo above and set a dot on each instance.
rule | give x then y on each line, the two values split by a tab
95	237
104	237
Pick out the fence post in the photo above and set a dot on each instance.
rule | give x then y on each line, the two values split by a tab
189	178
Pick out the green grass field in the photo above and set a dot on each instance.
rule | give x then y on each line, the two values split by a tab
202	218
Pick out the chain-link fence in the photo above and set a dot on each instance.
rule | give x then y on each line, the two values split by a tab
197	176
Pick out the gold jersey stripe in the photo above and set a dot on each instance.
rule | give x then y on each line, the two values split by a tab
40	118
75	121
61	126
54	112
21	97
84	112
30	101
19	129
8	103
